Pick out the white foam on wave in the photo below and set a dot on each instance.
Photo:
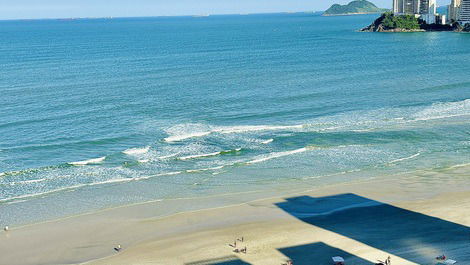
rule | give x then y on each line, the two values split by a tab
198	156
404	158
364	130
136	151
209	154
179	136
276	155
369	120
443	110
204	169
28	181
157	175
88	162
69	188
143	160
267	141
459	165
168	156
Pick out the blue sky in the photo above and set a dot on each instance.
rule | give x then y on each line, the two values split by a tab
13	9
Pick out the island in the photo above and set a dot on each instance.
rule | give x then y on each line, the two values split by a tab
388	22
355	7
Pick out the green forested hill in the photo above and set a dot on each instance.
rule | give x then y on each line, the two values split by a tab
354	7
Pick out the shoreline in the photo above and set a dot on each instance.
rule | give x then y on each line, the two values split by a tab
90	238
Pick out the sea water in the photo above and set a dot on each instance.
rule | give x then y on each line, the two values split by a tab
99	113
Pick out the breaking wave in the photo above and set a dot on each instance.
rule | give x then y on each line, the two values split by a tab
136	151
88	162
443	110
267	141
180	135
276	155
404	158
210	154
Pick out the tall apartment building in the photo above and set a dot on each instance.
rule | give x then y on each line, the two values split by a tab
464	14
406	6
421	7
453	10
426	9
398	6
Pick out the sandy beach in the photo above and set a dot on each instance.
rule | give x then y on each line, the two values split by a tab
408	219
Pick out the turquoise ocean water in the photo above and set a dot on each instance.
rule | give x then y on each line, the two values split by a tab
97	113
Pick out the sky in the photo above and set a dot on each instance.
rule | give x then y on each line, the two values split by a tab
19	9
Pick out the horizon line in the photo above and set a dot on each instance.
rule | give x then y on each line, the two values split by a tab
161	16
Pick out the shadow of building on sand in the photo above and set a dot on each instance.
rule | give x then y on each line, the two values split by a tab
319	254
229	260
411	235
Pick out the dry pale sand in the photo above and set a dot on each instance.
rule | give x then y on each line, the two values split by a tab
417	221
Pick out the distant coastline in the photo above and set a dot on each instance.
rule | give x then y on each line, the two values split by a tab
350	14
317	12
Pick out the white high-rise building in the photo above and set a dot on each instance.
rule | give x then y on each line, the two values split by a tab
426	9
398	6
409	7
453	10
464	14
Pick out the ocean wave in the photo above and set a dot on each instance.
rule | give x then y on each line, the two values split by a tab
267	141
364	130
177	138
168	156
276	155
459	165
209	154
136	151
68	188
443	110
204	169
88	162
40	193
28	181
29	170
226	130
404	158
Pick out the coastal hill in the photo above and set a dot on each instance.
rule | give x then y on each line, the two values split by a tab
353	8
